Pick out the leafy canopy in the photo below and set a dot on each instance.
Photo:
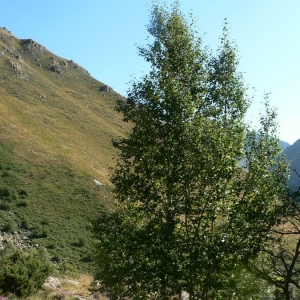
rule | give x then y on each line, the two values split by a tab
187	214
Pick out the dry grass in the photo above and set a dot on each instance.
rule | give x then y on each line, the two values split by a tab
75	120
74	286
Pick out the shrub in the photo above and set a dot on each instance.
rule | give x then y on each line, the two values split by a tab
9	249
43	254
5	174
25	224
23	193
4	192
5	205
10	226
23	273
80	242
13	197
22	203
39	232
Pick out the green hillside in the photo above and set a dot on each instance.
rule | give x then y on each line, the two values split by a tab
56	127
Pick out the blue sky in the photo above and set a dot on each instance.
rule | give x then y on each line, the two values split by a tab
102	36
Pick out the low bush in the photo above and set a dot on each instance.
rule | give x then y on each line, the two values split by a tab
4	192
8	250
22	203
5	205
25	224
23	193
23	273
39	231
80	242
10	226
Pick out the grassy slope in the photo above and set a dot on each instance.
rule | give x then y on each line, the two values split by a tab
55	138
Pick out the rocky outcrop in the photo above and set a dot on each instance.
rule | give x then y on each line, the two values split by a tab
97	182
32	49
30	45
15	66
17	239
18	69
57	64
105	88
55	69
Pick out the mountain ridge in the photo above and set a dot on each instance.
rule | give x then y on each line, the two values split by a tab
56	127
43	64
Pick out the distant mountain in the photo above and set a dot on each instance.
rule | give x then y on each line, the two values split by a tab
283	144
293	156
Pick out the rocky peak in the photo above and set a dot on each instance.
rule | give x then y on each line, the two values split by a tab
30	44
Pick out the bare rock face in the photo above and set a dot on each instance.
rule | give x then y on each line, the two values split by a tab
105	88
17	239
18	69
55	69
30	45
32	49
15	66
97	182
64	64
56	64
